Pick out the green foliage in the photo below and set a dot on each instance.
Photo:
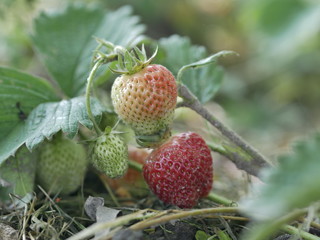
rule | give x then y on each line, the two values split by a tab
222	235
293	184
19	173
201	235
177	52
272	16
46	120
19	94
131	62
285	28
65	41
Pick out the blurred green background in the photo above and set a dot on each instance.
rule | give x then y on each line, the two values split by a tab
270	93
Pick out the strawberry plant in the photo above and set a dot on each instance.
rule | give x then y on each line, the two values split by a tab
107	87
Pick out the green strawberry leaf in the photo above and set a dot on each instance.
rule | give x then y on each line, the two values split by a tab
178	53
18	174
65	41
206	61
46	120
20	93
293	184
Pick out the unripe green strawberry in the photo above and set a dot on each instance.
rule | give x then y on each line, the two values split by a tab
110	155
62	165
145	99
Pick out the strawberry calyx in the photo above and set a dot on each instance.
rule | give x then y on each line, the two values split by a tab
154	140
133	61
128	62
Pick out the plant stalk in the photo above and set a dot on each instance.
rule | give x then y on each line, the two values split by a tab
258	160
263	230
221	199
135	165
295	231
88	91
182	214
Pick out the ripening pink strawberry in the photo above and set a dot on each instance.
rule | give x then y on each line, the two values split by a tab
145	98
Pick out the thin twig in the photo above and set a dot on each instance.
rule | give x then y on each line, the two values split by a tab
295	231
110	192
258	160
120	221
61	212
235	154
265	229
182	214
221	199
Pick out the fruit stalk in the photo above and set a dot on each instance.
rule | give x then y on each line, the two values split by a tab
88	90
258	160
135	165
221	199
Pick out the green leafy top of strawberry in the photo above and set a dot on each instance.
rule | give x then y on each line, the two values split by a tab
131	62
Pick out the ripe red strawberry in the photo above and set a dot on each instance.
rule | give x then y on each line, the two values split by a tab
145	97
180	171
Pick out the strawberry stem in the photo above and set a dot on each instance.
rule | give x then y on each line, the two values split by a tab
135	165
221	200
88	90
203	62
256	161
110	192
298	232
269	227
